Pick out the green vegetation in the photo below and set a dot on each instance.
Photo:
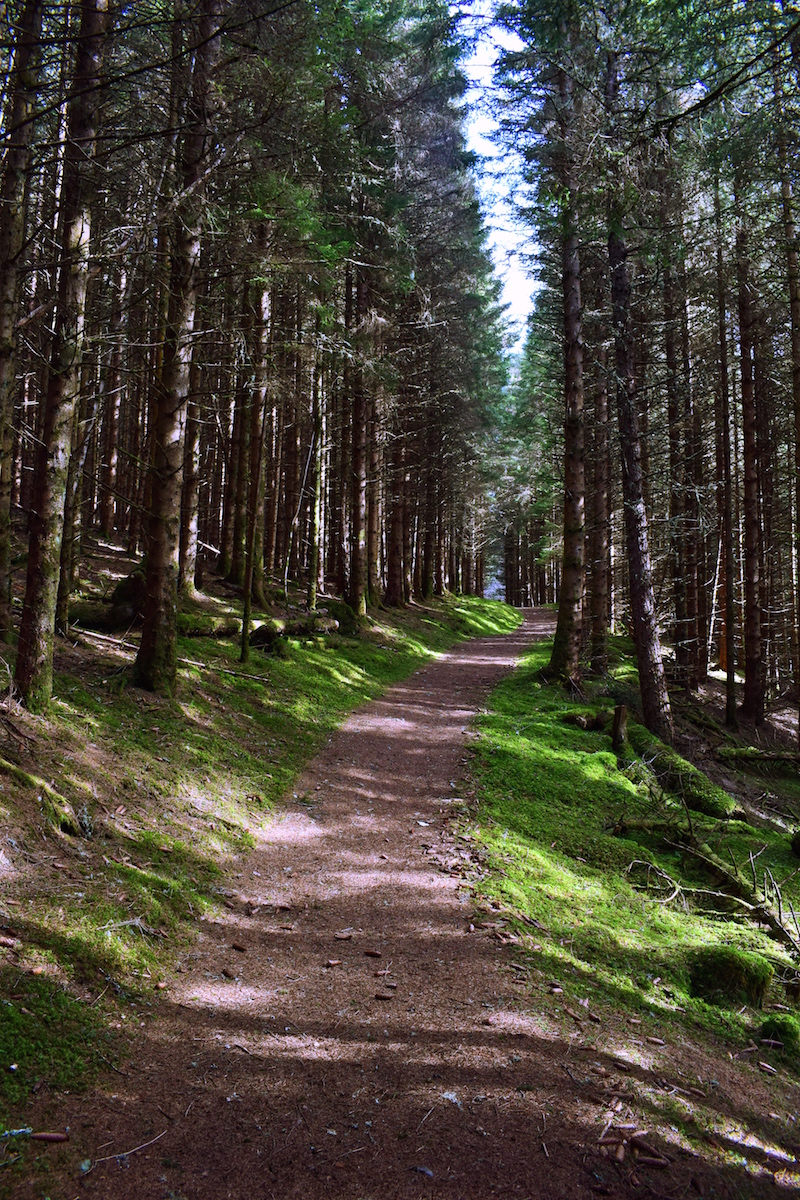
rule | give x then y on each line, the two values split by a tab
160	795
727	976
783	1028
626	887
46	1037
677	775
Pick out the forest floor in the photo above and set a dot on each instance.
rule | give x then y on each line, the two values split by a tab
351	1026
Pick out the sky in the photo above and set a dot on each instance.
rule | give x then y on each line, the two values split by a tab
509	242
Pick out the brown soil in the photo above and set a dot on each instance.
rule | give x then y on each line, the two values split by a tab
353	1028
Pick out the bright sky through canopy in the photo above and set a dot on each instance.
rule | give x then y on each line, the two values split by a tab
509	241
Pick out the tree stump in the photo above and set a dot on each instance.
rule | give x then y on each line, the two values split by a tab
619	728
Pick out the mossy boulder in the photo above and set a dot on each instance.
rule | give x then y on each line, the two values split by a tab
92	614
269	637
726	976
678	776
348	621
131	592
783	1028
194	624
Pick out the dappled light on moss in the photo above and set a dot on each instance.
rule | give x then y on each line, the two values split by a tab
562	824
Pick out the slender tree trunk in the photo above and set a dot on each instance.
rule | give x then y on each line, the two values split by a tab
83	433
111	409
793	280
190	494
373	506
394	543
357	580
726	499
753	700
601	528
239	459
258	320
22	87
677	463
564	660
315	530
156	662
652	683
34	670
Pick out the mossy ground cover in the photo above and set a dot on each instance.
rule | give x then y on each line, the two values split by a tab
577	842
166	794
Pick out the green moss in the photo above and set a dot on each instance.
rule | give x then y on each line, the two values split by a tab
677	775
48	1038
572	838
194	624
781	1027
727	975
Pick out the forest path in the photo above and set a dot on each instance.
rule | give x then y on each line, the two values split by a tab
344	1030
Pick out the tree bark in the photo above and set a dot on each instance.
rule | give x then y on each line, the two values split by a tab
357	578
22	86
315	529
753	699
652	682
258	320
793	282
156	662
601	524
34	670
564	660
724	485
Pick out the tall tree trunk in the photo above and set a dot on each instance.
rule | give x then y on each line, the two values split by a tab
239	460
22	87
793	281
112	406
652	682
156	662
601	526
725	492
315	529
564	660
394	542
373	505
34	670
753	699
258	321
190	494
357	579
678	485
83	433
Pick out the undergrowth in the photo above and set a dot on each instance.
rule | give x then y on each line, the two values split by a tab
578	842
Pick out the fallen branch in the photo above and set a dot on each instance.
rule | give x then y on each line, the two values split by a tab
135	923
183	662
127	1153
742	892
753	754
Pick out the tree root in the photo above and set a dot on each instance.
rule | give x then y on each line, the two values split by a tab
57	810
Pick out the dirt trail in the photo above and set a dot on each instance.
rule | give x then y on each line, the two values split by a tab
344	1031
